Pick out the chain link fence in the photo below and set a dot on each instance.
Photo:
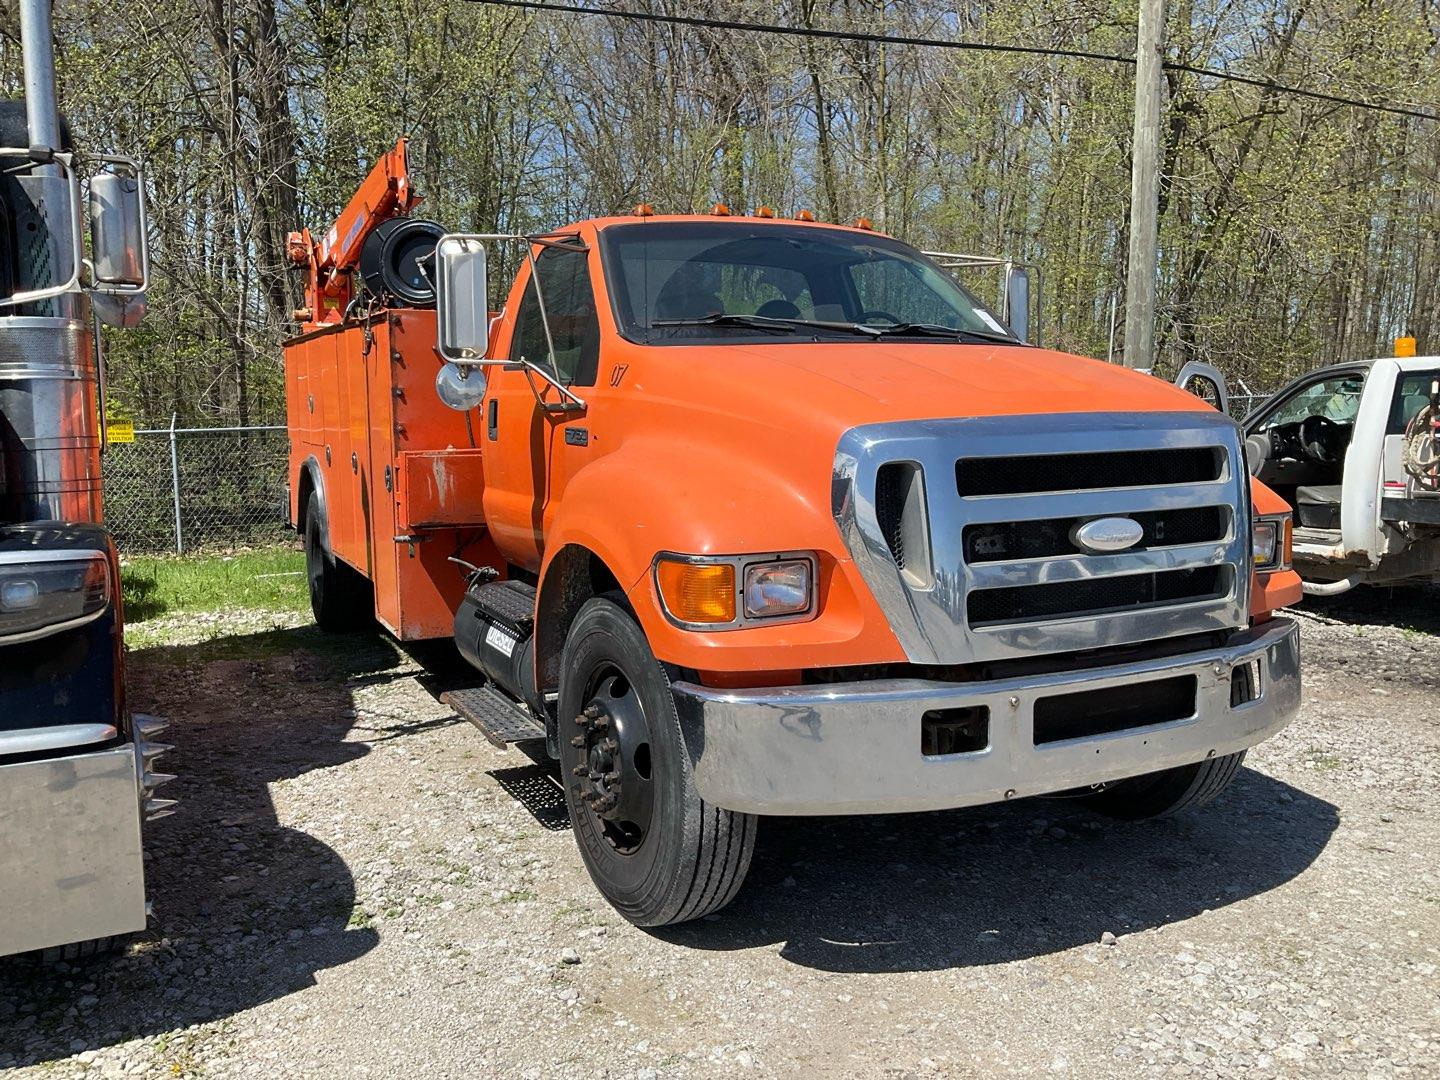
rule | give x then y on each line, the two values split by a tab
182	489
190	488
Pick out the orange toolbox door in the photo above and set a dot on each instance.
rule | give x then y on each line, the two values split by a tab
380	371
352	467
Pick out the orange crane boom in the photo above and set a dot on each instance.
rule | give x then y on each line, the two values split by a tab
331	261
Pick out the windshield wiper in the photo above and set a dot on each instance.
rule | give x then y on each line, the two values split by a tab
720	318
765	322
937	330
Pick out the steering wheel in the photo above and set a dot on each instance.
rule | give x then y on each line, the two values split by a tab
875	314
1317	436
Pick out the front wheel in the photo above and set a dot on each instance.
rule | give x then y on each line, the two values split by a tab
656	851
1160	794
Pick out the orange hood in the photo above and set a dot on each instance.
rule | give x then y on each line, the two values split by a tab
831	387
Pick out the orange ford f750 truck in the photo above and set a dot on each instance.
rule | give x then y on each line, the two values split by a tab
750	516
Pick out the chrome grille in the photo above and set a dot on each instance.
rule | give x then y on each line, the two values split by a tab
999	541
1003	577
1096	596
1029	473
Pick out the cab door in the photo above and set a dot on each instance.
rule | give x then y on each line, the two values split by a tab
525	424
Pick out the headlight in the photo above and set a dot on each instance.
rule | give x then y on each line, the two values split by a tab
777	588
726	592
39	598
1270	539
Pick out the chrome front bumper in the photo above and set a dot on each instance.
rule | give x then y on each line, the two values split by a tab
854	748
70	850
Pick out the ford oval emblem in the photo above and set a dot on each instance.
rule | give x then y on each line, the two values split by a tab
1105	535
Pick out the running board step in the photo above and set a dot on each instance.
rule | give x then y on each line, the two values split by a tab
499	719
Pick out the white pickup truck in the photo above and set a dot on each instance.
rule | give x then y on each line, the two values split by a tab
1352	448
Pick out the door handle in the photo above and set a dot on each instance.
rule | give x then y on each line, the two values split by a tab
492	419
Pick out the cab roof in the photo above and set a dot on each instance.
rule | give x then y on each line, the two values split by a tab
747	220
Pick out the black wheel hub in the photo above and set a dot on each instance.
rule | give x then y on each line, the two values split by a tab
613	778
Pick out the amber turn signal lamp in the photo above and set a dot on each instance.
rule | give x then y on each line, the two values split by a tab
643	209
701	593
764	211
720	210
805	215
865	223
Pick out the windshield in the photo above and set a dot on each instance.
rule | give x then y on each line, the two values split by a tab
689	282
1336	398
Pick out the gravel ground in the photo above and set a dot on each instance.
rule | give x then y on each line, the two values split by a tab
358	884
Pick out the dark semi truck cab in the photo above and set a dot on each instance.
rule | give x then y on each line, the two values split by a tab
76	767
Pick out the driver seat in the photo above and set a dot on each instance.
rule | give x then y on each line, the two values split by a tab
1318	506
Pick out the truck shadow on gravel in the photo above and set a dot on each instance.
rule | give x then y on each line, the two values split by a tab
1407	607
246	910
990	885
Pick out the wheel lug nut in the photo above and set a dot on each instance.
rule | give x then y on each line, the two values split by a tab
582	720
592	711
578	742
602	722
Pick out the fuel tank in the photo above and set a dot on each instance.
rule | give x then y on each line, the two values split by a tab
49	437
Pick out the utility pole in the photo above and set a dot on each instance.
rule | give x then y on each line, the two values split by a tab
1145	188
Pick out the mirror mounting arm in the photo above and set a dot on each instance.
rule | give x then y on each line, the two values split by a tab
572	402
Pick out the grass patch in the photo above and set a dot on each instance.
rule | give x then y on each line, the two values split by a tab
268	579
1323	760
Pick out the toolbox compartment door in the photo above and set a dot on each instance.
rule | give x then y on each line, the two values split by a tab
440	489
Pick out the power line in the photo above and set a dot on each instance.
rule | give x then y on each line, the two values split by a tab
946	43
803	31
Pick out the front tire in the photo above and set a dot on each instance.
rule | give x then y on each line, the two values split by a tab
656	851
1170	791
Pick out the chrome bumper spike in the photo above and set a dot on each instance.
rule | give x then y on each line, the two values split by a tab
148	726
146	751
158	808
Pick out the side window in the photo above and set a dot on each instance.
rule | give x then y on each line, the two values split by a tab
564	278
1412	393
1336	398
